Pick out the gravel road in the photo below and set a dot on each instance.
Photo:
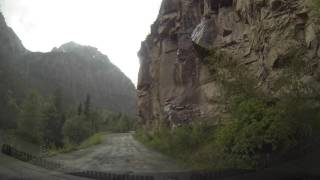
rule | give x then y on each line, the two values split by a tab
119	153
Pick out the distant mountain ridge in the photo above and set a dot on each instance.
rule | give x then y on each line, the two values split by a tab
76	69
10	42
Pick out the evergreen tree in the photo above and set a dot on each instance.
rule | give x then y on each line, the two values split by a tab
30	124
89	115
51	116
87	106
58	98
10	90
9	110
54	120
80	109
96	118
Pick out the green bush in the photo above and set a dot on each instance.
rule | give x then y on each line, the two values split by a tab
68	147
181	143
76	129
91	141
259	129
316	6
262	127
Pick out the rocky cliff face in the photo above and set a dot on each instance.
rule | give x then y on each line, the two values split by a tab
175	85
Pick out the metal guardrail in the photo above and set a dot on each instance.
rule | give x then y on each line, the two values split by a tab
26	157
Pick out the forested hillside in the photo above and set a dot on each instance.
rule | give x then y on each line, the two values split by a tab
76	70
62	97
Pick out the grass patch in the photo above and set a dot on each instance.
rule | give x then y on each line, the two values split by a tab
68	147
91	141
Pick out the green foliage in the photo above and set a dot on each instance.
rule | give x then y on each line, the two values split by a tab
261	128
316	6
117	122
95	118
262	125
234	77
54	118
215	61
9	111
91	141
68	147
87	106
181	143
76	129
124	124
30	124
45	121
10	91
80	109
258	130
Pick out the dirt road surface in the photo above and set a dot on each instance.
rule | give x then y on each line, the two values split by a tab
119	153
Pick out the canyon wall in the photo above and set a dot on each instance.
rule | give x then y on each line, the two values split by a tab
175	86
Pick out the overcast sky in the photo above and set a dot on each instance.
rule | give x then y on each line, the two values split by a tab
115	27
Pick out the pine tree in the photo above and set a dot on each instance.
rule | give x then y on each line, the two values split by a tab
87	106
88	114
80	109
58	100
51	116
30	124
54	120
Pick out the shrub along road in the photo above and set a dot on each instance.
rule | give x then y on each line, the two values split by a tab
119	153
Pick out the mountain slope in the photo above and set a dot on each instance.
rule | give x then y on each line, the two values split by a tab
10	43
10	81
77	70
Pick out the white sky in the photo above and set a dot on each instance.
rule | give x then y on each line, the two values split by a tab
115	27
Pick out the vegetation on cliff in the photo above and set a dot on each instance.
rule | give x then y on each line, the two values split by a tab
260	128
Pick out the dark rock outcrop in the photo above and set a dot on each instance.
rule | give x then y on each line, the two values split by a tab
174	84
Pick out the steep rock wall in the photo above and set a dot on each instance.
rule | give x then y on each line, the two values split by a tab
175	86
